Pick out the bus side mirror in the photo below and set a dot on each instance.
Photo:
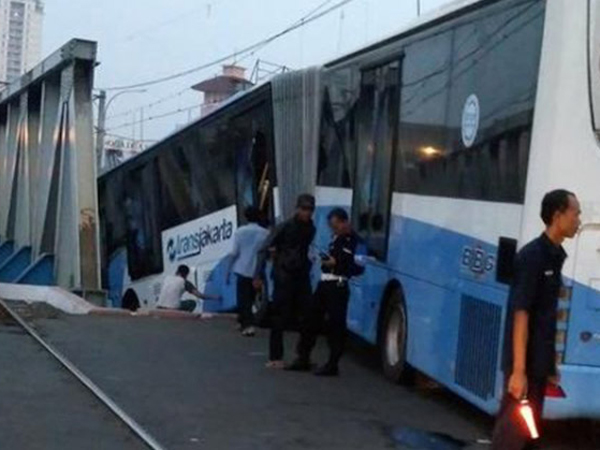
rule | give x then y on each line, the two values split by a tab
505	263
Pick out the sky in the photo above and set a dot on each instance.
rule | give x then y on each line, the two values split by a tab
140	40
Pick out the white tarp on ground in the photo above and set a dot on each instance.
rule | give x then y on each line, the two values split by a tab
53	296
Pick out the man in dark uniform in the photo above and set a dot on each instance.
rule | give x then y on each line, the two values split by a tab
331	297
289	244
529	348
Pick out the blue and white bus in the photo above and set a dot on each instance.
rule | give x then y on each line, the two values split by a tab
181	201
441	141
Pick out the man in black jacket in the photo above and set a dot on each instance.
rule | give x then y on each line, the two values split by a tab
289	245
332	295
529	361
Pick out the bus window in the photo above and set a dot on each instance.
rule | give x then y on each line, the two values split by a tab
254	168
337	146
485	68
141	208
336	152
253	176
213	167
377	121
244	178
176	188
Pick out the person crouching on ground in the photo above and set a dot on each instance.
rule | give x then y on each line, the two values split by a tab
173	288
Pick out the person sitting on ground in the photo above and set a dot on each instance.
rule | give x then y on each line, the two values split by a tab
173	288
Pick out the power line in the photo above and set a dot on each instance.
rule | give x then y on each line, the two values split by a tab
309	18
182	91
207	6
186	89
160	101
151	118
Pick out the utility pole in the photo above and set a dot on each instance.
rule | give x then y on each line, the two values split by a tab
103	105
418	8
100	130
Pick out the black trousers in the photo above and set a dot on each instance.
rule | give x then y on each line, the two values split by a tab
510	432
291	303
245	299
330	308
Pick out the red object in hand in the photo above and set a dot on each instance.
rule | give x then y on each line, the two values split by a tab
526	412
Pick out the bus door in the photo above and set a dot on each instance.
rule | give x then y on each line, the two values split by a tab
583	345
376	130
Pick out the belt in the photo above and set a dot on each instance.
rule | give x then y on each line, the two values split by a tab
332	277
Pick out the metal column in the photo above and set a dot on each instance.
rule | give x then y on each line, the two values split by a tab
48	201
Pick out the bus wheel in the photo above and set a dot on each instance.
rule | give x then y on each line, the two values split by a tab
393	338
130	301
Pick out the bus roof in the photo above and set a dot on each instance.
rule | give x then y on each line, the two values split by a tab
440	14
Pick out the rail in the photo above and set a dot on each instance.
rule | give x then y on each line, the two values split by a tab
137	429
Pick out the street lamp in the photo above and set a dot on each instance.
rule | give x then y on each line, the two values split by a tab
101	127
118	94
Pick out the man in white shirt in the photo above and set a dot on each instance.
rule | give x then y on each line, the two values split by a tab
173	288
248	240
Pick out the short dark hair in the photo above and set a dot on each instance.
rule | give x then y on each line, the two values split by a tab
306	201
252	214
553	202
183	270
338	213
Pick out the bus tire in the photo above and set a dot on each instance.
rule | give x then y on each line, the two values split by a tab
393	338
130	301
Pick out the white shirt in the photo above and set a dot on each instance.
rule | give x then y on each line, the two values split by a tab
247	242
172	289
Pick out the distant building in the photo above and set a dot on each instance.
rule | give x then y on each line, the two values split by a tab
220	88
21	24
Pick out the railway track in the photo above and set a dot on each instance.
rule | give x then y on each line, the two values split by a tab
11	315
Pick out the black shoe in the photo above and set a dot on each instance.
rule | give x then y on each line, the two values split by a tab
327	370
299	365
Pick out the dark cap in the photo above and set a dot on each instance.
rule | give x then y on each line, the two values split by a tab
305	201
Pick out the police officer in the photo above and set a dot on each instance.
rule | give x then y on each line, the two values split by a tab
331	297
288	244
529	349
